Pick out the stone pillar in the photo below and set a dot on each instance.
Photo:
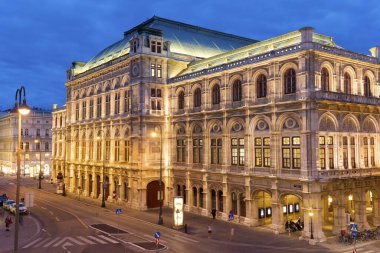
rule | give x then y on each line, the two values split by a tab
339	218
112	187
277	225
376	211
206	197
313	204
360	211
86	190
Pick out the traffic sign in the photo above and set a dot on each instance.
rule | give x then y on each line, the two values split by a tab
354	233
118	211
354	227
157	235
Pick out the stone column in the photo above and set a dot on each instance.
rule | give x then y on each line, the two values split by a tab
206	197
339	218
376	211
86	190
313	204
111	187
360	211
277	225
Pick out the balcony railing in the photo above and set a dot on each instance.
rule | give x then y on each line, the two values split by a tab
347	98
348	173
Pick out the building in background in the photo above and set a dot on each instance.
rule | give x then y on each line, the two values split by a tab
36	143
273	130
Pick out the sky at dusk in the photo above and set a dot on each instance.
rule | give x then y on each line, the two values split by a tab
40	38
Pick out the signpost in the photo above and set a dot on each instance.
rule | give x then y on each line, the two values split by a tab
178	212
354	233
118	211
157	236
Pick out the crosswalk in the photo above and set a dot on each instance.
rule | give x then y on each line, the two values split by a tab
46	242
361	250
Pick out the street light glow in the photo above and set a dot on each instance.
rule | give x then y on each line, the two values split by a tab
154	134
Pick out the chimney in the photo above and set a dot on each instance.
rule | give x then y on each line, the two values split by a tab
375	51
306	34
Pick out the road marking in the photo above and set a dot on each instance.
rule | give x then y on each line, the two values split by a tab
108	239
51	242
43	207
97	239
41	243
57	219
30	244
68	239
185	238
51	212
85	240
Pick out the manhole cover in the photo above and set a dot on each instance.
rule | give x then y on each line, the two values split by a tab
108	229
150	245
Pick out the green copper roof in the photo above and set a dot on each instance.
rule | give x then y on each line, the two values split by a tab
185	39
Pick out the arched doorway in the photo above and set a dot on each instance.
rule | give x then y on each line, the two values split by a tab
213	199
328	212
89	190
291	208
107	190
262	208
152	194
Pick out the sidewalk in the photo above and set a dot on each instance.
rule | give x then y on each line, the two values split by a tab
27	232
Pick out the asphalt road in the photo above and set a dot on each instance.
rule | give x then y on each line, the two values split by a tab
65	226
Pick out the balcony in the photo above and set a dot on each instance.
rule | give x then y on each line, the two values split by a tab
349	173
346	98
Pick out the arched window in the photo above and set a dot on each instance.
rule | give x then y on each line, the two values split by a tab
347	83
181	100
216	94
197	97
290	81
367	87
195	196
261	88
325	79
236	91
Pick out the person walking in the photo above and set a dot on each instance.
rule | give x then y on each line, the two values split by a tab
209	230
213	213
8	222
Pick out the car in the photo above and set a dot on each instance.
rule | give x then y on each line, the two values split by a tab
8	203
22	208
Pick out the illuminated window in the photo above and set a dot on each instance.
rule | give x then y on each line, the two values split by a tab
159	71
237	151
262	152
153	70
291	153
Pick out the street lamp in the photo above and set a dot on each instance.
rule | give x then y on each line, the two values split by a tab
311	225
22	109
104	184
154	135
39	173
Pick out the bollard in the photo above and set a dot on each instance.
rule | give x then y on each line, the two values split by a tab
185	228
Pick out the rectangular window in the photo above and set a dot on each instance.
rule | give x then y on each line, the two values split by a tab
262	152
181	150
286	158
38	133
197	150
216	151
159	71
153	46
38	146
322	158
153	70
47	132
366	161
77	111
127	100
117	103
108	149
99	150
127	149
76	154
159	46
46	146
291	153
237	151
108	105
91	109
90	150
99	107
353	164
117	150
84	104
345	158
372	154
83	149
26	132
331	158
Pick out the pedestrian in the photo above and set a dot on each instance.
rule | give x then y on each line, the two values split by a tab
20	219
213	213
232	233
8	222
209	230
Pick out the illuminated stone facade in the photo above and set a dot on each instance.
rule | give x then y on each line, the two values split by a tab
36	143
272	130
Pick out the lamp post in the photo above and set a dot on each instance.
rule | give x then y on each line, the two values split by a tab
311	225
104	184
21	109
39	173
154	135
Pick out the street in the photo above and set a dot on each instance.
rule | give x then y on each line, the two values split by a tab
66	224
